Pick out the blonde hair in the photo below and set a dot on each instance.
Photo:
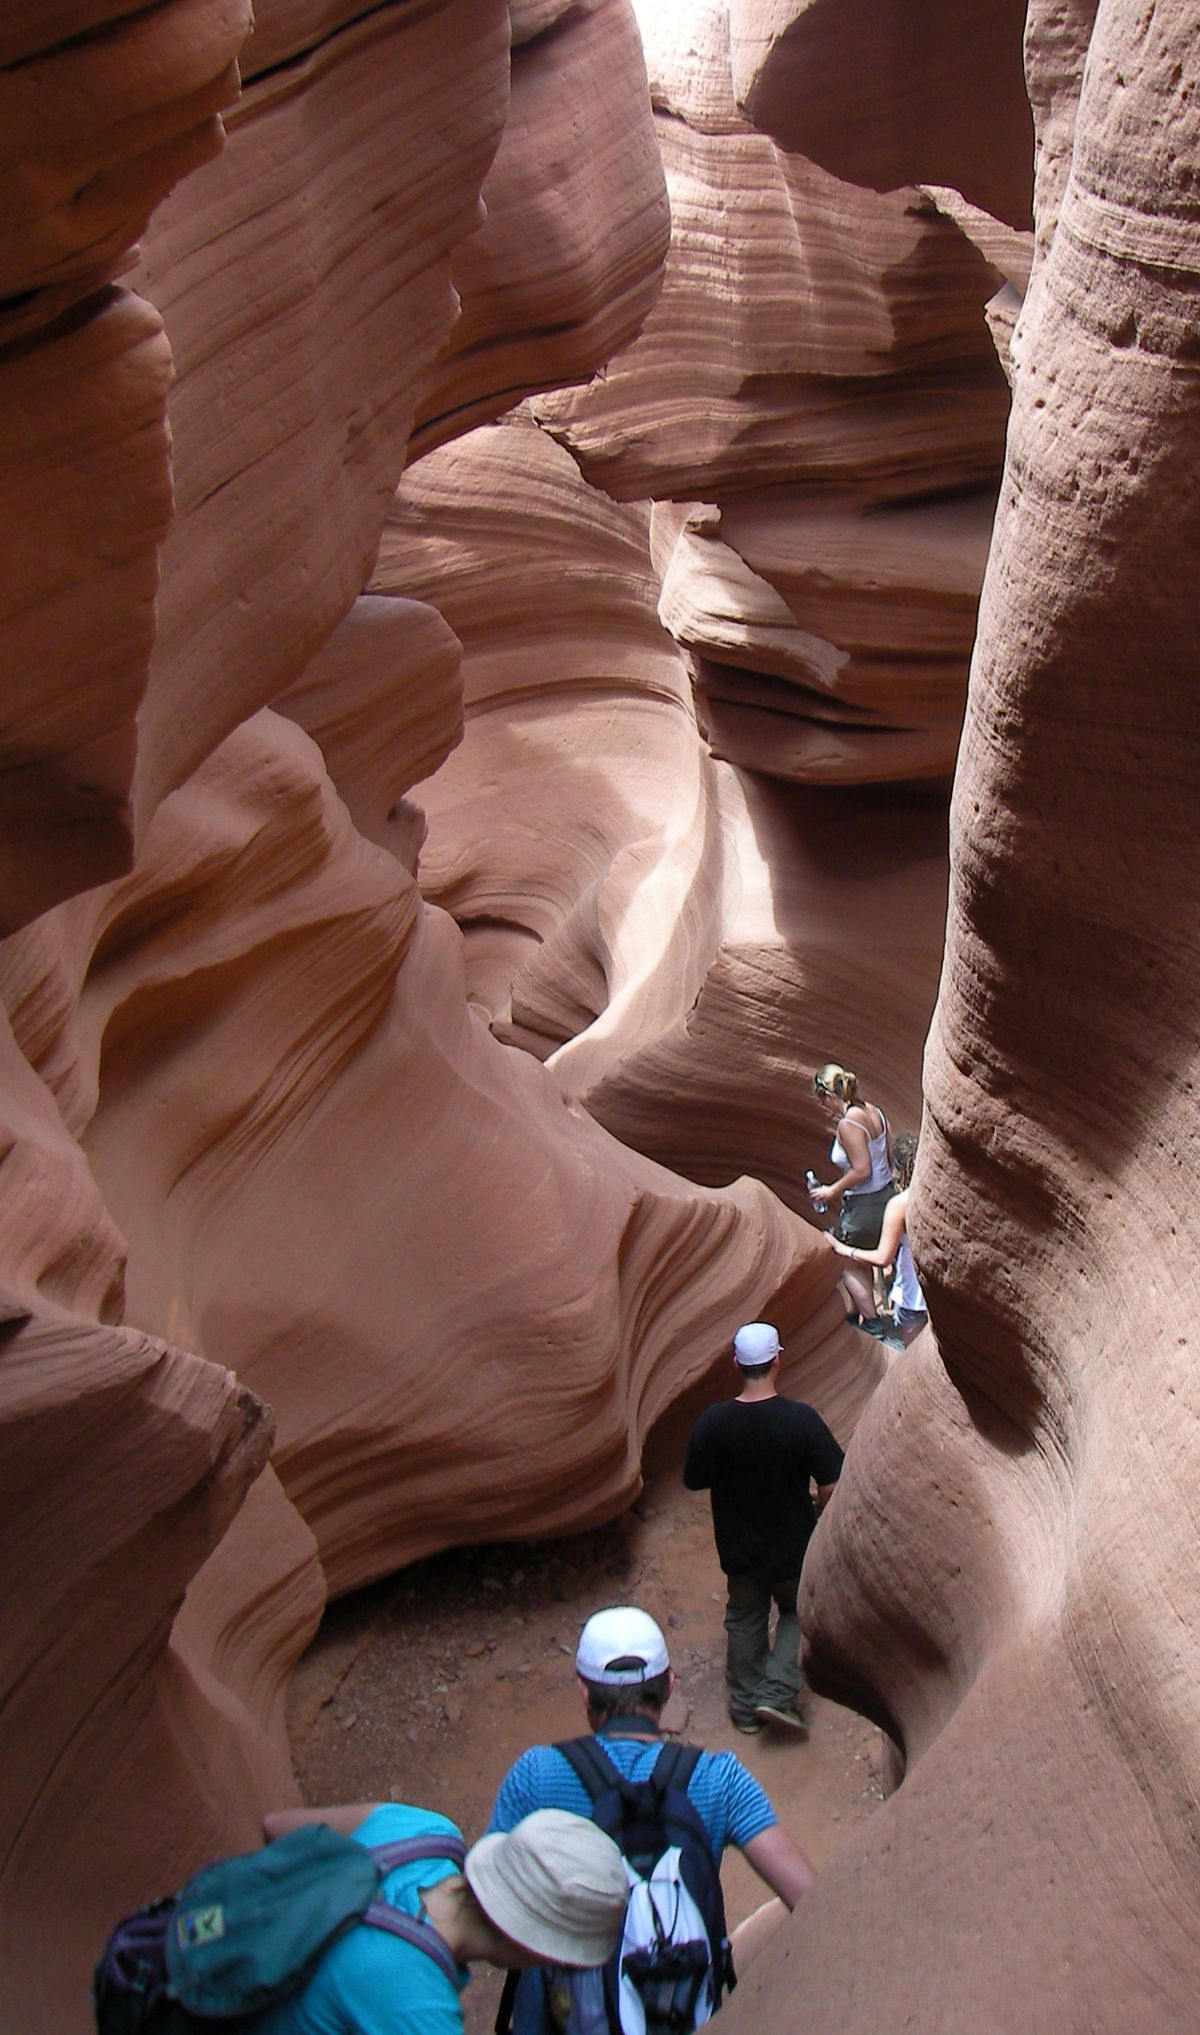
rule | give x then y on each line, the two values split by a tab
834	1080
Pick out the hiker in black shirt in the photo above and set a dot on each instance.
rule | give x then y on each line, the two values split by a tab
759	1455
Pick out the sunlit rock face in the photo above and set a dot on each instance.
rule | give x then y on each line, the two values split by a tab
1008	1576
333	1000
819	371
677	939
830	643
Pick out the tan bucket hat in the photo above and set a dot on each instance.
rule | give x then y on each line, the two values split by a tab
555	1884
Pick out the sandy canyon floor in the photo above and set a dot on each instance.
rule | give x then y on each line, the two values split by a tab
424	1687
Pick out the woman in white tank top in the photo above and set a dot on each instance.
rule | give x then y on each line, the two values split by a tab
861	1151
907	1300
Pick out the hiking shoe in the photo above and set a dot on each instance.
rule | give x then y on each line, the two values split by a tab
749	1725
877	1325
771	1713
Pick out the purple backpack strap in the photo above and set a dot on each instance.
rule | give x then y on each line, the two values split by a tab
420	1934
380	1915
407	1850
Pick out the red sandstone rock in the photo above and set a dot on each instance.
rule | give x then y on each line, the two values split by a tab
229	1219
886	379
879	99
1008	1577
125	1461
578	687
831	645
818	369
382	699
85	424
569	258
670	934
306	294
104	105
264	1016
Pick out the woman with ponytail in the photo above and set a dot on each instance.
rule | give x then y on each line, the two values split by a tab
861	1151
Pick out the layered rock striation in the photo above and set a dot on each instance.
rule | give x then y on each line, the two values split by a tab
819	374
1006	1580
262	1155
410	994
674	937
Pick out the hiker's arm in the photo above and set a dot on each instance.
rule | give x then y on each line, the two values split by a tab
824	1494
343	1817
891	1236
853	1139
778	1859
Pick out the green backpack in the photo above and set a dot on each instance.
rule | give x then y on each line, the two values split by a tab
248	1931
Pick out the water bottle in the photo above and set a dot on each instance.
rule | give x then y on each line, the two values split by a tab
810	1181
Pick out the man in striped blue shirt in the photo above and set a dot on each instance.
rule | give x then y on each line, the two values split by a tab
625	1678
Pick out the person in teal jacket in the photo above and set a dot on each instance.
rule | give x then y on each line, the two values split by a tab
553	1890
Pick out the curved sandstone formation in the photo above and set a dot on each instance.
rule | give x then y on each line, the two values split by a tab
1008	1578
305	295
673	936
276	1127
125	1462
818	371
897	102
568	260
253	1126
830	643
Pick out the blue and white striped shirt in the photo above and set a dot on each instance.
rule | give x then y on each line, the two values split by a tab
729	1801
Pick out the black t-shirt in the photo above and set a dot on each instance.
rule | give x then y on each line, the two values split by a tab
757	1458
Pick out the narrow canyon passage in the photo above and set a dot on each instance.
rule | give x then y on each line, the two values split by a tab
569	562
426	1686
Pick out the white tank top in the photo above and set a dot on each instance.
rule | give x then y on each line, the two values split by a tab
881	1172
906	1287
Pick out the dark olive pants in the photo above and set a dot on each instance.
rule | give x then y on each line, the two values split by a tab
757	1669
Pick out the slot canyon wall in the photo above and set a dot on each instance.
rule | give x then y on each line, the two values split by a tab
1025	1488
496	540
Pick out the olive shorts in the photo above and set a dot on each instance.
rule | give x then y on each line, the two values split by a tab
860	1218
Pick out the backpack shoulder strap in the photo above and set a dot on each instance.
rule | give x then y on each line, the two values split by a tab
508	1996
591	1765
675	1766
419	1934
407	1850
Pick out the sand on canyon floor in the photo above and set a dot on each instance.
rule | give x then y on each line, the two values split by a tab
423	1688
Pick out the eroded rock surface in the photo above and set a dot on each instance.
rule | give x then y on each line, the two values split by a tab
899	100
1008	1576
674	937
436	1170
819	373
259	1148
568	260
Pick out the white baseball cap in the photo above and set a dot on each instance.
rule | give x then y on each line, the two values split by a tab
756	1343
621	1647
555	1883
